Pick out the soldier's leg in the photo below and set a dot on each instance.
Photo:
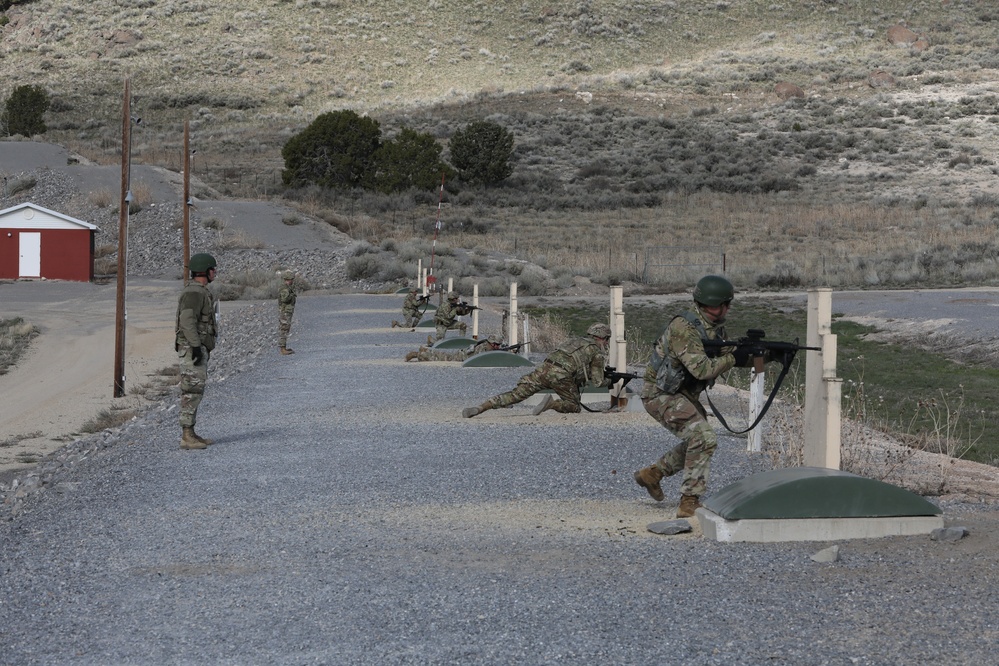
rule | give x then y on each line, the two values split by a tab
441	331
569	399
525	388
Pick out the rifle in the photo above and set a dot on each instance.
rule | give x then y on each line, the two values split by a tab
614	376
757	346
514	348
759	349
467	307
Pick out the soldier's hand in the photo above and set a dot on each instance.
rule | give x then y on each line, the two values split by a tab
197	354
741	355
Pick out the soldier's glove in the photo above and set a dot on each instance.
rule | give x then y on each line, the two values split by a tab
197	354
742	355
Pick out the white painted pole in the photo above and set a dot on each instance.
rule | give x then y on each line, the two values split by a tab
450	284
512	321
618	353
475	313
823	389
756	398
421	281
526	349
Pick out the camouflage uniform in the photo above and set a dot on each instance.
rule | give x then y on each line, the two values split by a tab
411	309
680	409
195	327
424	353
286	309
574	364
446	317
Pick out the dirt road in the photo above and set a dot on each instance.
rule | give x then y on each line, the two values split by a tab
66	377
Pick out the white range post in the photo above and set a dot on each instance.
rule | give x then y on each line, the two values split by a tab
754	442
421	283
823	389
526	349
450	284
512	320
475	313
618	352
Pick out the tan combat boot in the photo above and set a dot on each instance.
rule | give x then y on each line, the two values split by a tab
469	412
649	478
546	403
430	341
688	505
285	351
411	355
203	440
395	324
190	441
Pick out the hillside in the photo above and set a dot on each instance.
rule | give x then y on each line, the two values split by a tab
615	105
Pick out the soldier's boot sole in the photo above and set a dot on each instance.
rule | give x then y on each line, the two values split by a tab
545	403
469	412
649	478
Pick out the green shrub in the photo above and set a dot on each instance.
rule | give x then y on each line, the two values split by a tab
363	266
336	150
410	160
24	110
481	152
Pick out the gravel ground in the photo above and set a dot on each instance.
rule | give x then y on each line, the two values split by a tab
347	514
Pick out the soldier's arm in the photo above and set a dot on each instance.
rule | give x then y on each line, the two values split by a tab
686	343
190	305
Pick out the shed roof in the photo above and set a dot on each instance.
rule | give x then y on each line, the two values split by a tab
33	216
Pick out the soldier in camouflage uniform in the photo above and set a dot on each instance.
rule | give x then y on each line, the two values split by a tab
411	309
447	314
194	341
677	374
286	309
492	343
576	363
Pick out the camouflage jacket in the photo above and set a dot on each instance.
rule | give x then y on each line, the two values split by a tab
411	304
195	323
582	359
680	346
447	313
287	298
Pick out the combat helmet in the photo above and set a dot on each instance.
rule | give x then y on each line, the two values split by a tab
452	295
599	331
288	275
202	263
713	290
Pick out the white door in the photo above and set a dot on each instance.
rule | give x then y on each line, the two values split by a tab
30	248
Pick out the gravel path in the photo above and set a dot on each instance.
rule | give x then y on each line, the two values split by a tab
347	514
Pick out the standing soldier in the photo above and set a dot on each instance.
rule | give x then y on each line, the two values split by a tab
195	339
576	363
678	372
447	315
286	308
411	309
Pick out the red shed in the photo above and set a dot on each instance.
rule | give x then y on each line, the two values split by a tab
36	242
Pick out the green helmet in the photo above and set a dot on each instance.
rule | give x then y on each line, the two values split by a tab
599	331
288	275
494	340
713	290
452	295
202	263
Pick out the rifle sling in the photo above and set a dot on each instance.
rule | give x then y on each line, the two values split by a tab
773	393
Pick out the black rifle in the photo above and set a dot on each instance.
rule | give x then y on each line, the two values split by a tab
513	348
760	350
614	376
466	308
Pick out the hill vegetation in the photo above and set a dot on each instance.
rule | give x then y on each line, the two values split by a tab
790	143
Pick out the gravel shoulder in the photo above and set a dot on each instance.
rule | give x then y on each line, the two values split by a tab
348	514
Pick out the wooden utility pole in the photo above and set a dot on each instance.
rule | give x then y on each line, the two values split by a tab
120	314
187	200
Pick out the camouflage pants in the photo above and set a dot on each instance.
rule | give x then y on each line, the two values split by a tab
442	330
546	376
192	384
686	419
412	317
284	325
